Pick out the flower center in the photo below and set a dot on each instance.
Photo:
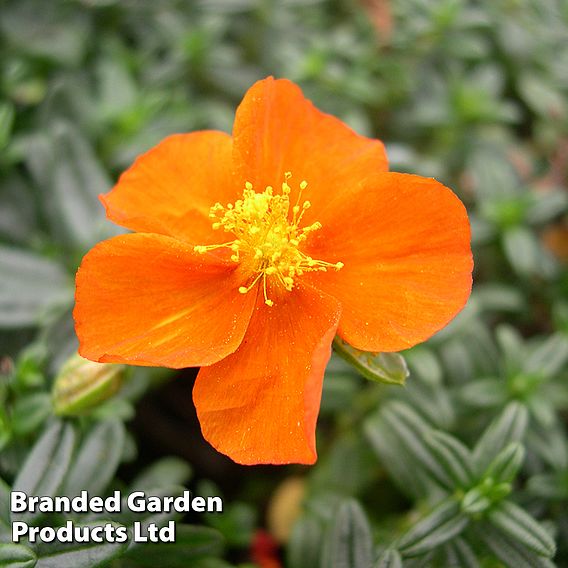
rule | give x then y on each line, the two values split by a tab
267	240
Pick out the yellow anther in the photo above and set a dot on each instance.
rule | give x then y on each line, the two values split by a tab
268	237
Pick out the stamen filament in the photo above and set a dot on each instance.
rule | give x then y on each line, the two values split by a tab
267	241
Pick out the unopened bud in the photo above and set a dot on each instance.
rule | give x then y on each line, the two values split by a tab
83	384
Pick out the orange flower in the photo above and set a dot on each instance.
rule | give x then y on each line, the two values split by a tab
252	283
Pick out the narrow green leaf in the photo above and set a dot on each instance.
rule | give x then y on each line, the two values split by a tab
348	543
460	553
511	552
485	393
7	115
546	206
192	543
452	455
389	558
46	465
519	525
17	556
511	343
505	466
411	429
147	518
4	503
29	285
549	358
304	548
403	469
30	411
387	368
167	471
442	524
97	460
525	254
79	554
62	159
475	501
509	427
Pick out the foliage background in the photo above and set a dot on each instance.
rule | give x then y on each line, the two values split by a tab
465	466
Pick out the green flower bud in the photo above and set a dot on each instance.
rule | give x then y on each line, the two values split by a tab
83	384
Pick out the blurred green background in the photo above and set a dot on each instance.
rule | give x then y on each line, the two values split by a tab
467	465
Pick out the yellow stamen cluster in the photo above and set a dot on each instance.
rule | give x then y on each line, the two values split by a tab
267	240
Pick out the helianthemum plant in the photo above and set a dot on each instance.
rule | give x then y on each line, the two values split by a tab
250	254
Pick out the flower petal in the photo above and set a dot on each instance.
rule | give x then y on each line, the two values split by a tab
170	189
150	300
260	404
405	243
278	130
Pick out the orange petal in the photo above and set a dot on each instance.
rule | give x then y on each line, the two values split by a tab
405	243
260	404
150	300
170	189
278	130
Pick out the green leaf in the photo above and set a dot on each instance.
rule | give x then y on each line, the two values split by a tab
304	547
7	115
485	393
459	553
525	254
425	364
17	556
442	524
405	469
46	465
511	344
519	525
5	504
97	460
410	430
480	498
167	471
542	95
29	285
192	543
79	554
507	428
45	33
549	358
511	552
237	523
505	466
389	558
30	412
348	542
63	159
452	455
546	206
128	517
387	368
